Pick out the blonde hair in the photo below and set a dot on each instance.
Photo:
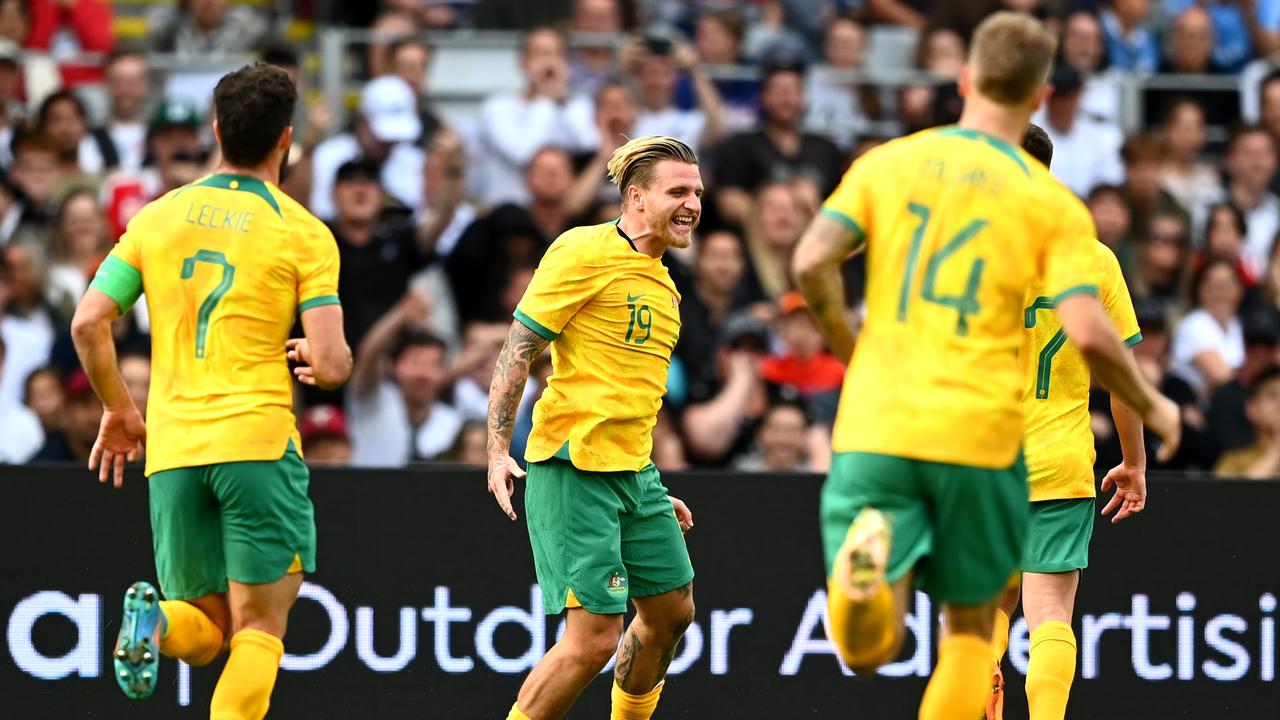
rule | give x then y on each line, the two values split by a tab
1010	57
634	162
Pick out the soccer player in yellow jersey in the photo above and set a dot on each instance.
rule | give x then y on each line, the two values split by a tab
1060	455
227	263
927	486
601	524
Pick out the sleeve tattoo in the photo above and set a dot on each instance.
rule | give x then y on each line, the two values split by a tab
509	376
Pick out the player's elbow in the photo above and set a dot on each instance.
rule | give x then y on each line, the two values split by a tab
87	325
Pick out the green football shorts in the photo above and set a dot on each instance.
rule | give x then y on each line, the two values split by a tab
1058	536
251	522
600	538
961	528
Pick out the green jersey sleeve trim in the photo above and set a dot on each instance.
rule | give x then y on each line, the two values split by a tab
119	281
316	302
534	325
849	222
1085	289
1133	340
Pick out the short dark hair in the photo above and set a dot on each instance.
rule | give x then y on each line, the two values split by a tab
1106	189
46	106
118	55
418	337
1244	131
1237	218
1268	374
1037	144
254	105
281	55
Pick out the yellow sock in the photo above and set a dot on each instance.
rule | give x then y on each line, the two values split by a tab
634	707
244	690
1051	670
866	642
961	681
189	634
515	713
1000	636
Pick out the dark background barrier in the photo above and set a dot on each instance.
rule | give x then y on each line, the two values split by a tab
424	606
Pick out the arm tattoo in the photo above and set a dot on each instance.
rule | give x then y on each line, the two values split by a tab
509	376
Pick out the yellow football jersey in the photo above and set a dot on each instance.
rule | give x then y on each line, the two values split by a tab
957	224
226	263
1059	441
613	316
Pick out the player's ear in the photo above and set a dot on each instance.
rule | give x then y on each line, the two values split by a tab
637	197
286	139
1041	96
962	81
217	132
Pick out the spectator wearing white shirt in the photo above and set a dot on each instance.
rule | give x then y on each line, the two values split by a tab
590	67
22	437
1209	343
393	398
1084	47
385	132
841	109
1249	165
1088	150
514	126
1191	181
122	141
657	62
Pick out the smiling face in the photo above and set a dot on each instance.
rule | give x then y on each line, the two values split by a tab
672	204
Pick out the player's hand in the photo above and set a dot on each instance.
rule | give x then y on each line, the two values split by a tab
299	351
503	472
121	438
1165	420
684	515
1131	491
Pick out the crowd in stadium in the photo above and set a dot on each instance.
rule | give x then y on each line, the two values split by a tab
440	224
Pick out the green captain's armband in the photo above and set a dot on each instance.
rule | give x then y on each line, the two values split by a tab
119	281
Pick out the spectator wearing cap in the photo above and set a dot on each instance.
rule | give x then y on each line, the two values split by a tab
1239	31
12	111
394	395
1227	420
378	258
1086	150
514	126
1261	459
805	364
1132	45
779	150
122	140
325	440
655	63
385	132
23	436
1250	163
205	28
72	31
725	409
84	415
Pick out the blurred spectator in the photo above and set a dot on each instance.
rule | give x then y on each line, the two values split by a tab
71	31
378	258
963	17
473	368
773	229
782	442
1131	41
615	116
1162	260
1250	163
805	364
84	413
434	14
393	397
911	13
590	66
1224	239
718	38
1114	222
842	109
779	150
23	436
656	63
135	370
80	242
1240	29
174	157
36	175
389	27
1269	114
514	126
1228	423
1087	150
205	28
1084	47
548	178
12	111
1261	460
490	252
122	141
14	21
44	394
1142	155
520	14
385	132
668	449
31	321
470	449
1191	181
445	213
325	440
1191	43
942	53
723	415
1267	294
64	120
1208	344
409	59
